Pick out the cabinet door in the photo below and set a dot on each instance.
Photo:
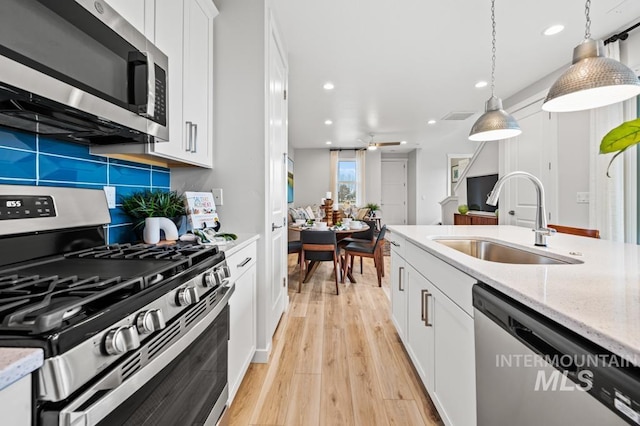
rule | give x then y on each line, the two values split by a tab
184	32
399	294
131	10
455	384
420	331
242	325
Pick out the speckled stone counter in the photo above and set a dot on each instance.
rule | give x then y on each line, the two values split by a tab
234	246
15	363
598	299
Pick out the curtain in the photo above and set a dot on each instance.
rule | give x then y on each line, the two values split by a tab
606	203
361	155
333	179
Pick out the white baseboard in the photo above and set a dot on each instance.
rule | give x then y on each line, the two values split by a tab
262	355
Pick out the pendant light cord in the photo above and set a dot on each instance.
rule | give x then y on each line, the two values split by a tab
587	29
493	48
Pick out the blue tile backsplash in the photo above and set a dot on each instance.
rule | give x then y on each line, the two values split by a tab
27	159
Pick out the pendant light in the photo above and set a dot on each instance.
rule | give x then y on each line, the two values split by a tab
593	80
495	123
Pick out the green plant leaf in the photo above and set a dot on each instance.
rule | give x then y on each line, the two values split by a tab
621	137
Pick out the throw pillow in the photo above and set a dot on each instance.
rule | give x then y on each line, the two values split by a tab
309	212
362	213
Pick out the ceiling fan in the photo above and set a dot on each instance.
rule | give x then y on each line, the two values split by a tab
371	145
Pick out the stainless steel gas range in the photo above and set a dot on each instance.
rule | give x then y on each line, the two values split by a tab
132	333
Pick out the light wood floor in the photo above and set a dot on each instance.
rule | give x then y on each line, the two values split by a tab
336	360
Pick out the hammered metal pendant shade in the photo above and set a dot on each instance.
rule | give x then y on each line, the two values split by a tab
495	124
592	81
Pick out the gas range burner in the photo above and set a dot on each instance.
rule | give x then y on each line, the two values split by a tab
40	304
177	251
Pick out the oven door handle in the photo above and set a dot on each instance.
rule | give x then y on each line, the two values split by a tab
115	391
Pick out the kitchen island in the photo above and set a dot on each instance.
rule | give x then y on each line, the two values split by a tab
16	366
595	294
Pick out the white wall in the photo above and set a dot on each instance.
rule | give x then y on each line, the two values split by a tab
411	188
310	176
573	170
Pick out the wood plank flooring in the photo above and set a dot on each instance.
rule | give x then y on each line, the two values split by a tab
336	360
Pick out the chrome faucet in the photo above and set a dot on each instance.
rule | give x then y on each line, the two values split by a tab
541	229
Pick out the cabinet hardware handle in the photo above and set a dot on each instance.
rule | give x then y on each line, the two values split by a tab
195	139
394	243
422	314
244	262
400	271
425	304
187	136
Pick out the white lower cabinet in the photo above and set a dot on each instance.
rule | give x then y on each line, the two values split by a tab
15	403
242	315
439	333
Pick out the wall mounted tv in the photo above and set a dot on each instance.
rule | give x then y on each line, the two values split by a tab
478	189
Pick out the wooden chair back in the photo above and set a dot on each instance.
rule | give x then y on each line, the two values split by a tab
583	232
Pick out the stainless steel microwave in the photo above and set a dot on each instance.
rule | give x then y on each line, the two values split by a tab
76	70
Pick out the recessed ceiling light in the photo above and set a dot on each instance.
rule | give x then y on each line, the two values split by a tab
328	122
431	122
328	86
328	142
554	29
481	84
403	142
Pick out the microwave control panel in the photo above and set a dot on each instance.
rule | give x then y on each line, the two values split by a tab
26	207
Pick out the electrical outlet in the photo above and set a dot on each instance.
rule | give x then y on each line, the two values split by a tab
110	193
217	196
582	198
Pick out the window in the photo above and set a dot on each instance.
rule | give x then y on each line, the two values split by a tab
347	181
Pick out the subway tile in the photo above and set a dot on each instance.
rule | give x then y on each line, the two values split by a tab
160	179
118	216
160	169
72	170
129	163
69	184
17	181
124	191
53	146
129	176
15	139
122	234
17	164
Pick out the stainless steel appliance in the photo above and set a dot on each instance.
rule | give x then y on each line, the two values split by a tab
76	70
532	371
132	333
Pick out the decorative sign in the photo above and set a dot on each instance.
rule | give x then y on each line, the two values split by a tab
201	210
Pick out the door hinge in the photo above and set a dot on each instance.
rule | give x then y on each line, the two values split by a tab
284	282
549	165
549	216
285	94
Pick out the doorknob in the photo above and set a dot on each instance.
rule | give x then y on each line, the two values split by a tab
512	213
274	227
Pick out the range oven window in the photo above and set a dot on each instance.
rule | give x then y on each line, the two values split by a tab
185	391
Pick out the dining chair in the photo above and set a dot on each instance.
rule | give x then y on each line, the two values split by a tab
371	249
317	246
295	247
583	232
360	237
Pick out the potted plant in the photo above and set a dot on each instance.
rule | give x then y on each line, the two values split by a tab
373	208
143	204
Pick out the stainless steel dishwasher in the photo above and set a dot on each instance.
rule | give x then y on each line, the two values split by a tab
533	371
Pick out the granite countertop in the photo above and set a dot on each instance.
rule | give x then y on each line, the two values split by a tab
243	240
15	363
598	299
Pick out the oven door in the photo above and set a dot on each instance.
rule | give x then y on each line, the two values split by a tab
61	59
185	382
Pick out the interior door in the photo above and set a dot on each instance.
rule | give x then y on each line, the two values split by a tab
534	151
394	192
277	135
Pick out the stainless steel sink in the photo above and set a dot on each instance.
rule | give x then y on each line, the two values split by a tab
497	252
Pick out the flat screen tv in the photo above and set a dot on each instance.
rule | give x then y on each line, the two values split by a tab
478	189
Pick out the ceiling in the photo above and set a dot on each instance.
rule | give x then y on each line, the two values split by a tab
396	65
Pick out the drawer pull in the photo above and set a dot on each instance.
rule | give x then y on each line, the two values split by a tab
400	283
244	262
394	243
425	308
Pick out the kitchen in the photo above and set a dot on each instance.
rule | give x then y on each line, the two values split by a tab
239	151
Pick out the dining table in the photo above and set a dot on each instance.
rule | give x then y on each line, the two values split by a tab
342	232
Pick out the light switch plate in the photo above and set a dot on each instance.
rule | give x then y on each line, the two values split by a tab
582	198
110	192
217	196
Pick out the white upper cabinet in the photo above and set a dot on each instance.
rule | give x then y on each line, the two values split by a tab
184	31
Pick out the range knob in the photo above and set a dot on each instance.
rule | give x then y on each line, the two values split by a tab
209	279
187	296
150	321
120	340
